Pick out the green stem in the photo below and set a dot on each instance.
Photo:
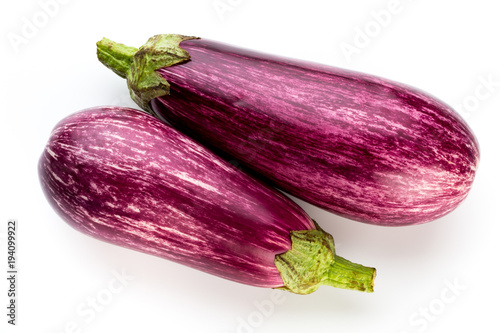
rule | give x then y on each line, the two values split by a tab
348	275
116	56
139	66
312	262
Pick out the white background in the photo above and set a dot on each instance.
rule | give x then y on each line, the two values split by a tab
437	277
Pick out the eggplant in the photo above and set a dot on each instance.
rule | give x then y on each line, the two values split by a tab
360	146
124	177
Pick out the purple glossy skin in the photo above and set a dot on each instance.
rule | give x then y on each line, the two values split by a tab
359	146
124	177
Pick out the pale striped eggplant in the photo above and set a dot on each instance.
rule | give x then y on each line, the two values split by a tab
360	146
124	177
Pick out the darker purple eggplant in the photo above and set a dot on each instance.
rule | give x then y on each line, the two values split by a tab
124	177
357	145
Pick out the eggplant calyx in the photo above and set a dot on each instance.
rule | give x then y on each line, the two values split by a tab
139	66
312	262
